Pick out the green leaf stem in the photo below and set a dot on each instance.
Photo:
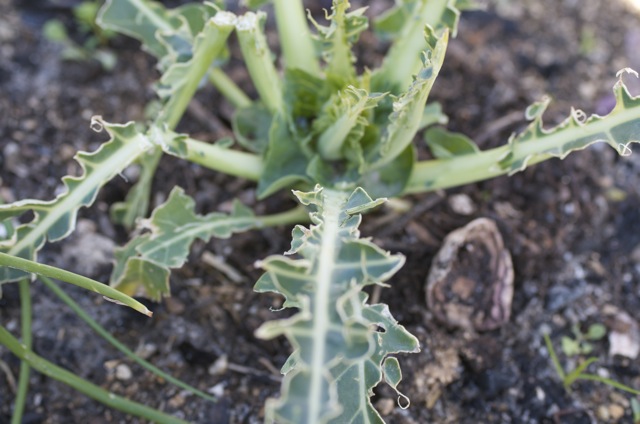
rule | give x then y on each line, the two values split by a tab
535	144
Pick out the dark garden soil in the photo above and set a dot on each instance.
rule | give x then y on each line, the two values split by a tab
572	228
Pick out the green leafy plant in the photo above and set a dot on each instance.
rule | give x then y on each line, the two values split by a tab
343	141
96	38
579	372
581	343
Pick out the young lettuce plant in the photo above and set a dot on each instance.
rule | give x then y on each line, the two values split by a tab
342	140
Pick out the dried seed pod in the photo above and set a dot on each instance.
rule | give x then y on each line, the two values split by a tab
470	283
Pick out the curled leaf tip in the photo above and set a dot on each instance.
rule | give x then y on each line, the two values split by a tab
133	304
96	123
623	71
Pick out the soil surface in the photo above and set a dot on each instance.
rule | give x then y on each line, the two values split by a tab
571	227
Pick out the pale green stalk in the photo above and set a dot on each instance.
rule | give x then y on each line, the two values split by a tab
103	396
214	38
258	59
443	173
25	369
295	37
70	277
437	174
292	216
115	343
404	57
228	88
332	139
232	162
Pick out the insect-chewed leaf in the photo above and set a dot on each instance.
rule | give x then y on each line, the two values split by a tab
392	159
337	38
56	219
619	128
142	266
338	352
408	109
146	20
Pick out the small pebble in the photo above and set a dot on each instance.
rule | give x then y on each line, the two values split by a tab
217	390
178	400
219	366
462	204
385	406
174	306
123	372
616	411
603	413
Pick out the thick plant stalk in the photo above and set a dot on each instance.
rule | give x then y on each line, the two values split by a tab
403	59
257	56
293	31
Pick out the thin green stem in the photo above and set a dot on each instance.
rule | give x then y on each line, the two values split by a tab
294	216
103	396
570	378
295	37
71	278
25	369
136	203
610	382
554	357
228	88
258	58
115	343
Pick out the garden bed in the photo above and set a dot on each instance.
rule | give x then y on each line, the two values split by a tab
572	228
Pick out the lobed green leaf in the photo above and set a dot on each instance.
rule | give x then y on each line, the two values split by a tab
339	353
142	266
337	40
55	219
619	128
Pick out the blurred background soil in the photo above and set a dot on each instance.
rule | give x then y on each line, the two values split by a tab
572	228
